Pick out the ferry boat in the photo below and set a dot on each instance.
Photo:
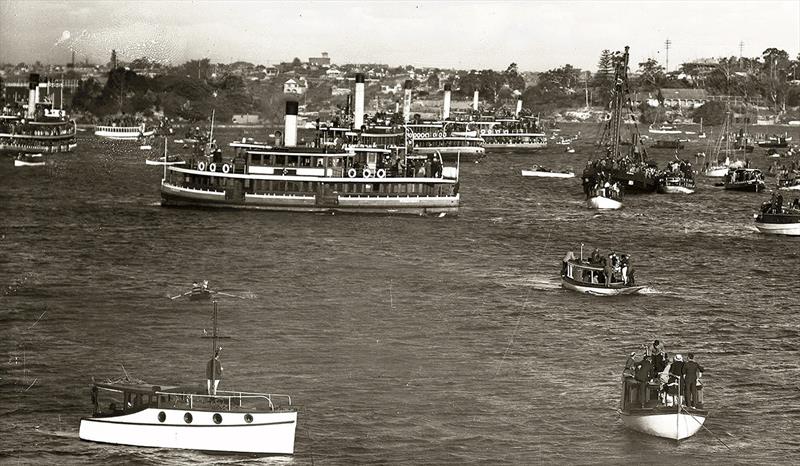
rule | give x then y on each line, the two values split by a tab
789	182
188	417
645	408
315	179
745	179
29	160
513	133
430	138
775	141
631	168
123	133
41	130
589	277
542	172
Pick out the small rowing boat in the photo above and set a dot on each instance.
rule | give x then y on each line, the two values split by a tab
542	172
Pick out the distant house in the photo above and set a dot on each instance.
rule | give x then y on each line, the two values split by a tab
333	73
682	98
245	119
270	71
340	91
294	87
323	62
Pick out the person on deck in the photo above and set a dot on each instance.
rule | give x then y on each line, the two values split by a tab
676	373
569	256
691	372
643	376
213	373
595	258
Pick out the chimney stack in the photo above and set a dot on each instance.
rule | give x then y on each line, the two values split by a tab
358	119
475	101
290	124
33	94
519	106
446	111
407	101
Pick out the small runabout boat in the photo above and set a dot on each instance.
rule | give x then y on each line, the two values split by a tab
662	396
604	197
609	275
542	172
776	219
191	417
29	160
745	179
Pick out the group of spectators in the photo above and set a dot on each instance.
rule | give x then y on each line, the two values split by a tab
677	379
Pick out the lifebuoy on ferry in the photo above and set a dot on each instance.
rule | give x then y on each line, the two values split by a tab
226	168
201	166
483	131
381	173
367	173
212	167
352	173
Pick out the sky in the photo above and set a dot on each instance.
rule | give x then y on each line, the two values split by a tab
537	35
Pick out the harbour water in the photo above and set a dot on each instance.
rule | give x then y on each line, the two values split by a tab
403	340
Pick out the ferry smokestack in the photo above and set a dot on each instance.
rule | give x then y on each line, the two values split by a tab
33	94
446	111
290	124
358	120
519	106
475	101
407	101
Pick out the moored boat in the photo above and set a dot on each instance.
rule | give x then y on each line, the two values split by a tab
676	184
542	172
593	277
123	133
191	417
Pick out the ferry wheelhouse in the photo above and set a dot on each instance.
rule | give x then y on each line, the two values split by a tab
123	133
365	179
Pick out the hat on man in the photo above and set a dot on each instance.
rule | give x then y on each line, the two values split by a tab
678	357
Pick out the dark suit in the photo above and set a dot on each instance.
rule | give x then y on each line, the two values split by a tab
643	375
691	371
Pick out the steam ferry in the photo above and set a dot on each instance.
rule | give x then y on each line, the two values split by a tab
41	130
123	133
431	138
358	177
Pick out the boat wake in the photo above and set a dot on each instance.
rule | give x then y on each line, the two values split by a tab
651	290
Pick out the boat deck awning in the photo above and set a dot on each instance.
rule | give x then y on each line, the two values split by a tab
147	389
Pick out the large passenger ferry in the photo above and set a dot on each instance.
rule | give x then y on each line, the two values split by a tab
123	133
430	138
41	130
333	177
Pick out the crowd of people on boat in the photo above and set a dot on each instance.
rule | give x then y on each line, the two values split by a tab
601	185
617	268
744	176
678	379
775	205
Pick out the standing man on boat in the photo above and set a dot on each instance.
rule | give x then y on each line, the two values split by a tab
691	372
213	373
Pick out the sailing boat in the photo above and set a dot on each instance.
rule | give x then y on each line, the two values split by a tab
718	168
191	417
630	170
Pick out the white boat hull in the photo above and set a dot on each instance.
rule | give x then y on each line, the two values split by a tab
131	135
795	187
543	174
676	426
675	190
161	162
599	202
716	172
268	433
22	163
599	290
787	229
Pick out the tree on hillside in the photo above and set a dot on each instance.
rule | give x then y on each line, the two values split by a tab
776	64
651	75
197	69
712	113
604	78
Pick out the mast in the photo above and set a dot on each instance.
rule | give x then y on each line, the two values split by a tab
620	81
